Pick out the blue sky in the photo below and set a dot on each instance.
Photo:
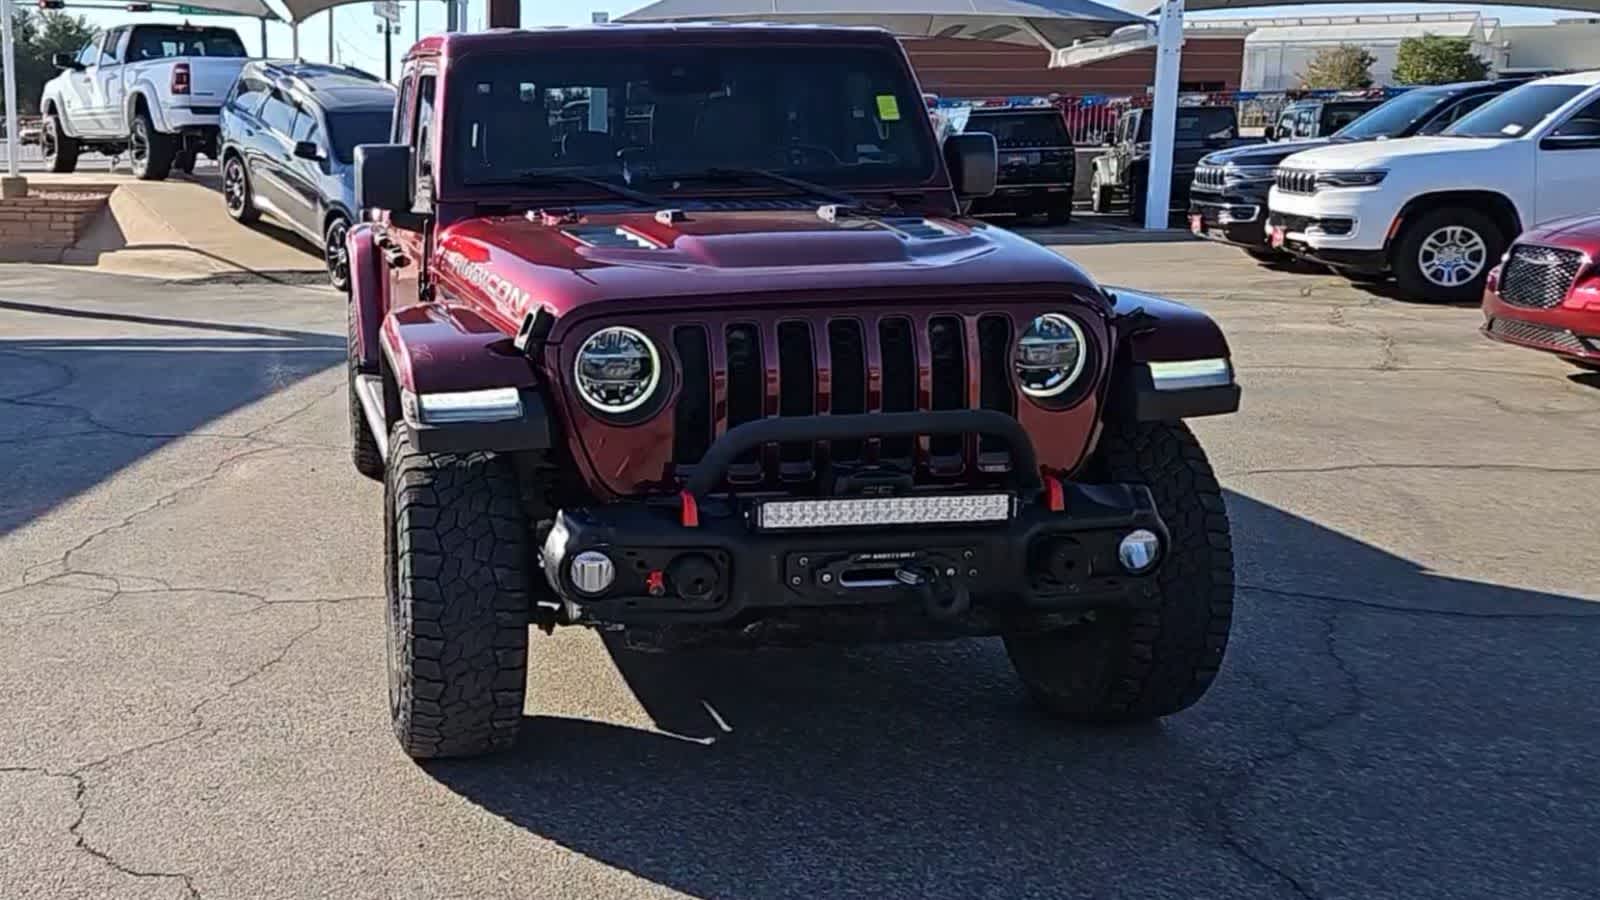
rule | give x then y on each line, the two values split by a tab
357	41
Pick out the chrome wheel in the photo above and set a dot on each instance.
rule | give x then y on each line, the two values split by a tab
1453	256
139	147
233	189
335	254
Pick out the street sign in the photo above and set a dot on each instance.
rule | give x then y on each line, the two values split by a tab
388	10
599	18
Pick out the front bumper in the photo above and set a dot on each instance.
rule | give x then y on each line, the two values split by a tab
1234	220
704	562
1570	330
1343	221
1305	238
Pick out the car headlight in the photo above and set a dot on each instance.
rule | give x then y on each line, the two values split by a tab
617	370
1049	356
1350	179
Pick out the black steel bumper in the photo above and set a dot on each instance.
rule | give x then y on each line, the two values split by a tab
705	561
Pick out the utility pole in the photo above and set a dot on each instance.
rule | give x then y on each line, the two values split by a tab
330	35
13	185
416	27
263	37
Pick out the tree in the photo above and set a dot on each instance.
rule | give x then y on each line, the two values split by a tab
1434	59
39	37
1342	68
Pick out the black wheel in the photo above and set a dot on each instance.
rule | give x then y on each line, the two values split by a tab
1446	255
1060	215
60	151
458	560
1099	195
334	254
363	445
184	162
1126	666
150	152
236	196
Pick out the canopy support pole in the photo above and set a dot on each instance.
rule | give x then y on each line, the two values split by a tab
263	37
294	41
14	185
1164	115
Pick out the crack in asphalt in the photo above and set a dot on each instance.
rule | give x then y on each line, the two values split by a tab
1445	467
1418	611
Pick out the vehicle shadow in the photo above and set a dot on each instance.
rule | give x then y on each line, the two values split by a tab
75	410
921	770
1587	379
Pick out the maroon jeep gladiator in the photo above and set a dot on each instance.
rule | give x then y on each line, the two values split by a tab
678	333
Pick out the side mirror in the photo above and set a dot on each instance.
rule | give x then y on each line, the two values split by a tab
383	177
65	61
974	163
307	150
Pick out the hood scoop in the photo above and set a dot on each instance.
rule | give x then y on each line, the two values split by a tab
919	229
616	237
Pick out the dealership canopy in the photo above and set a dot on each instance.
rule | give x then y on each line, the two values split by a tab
1054	24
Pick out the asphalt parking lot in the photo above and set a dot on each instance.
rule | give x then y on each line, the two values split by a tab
191	656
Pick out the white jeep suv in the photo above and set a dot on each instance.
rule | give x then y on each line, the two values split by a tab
1438	212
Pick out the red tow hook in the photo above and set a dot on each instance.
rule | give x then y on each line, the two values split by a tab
688	510
1055	494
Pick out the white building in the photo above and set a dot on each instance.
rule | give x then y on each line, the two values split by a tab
1278	50
1568	44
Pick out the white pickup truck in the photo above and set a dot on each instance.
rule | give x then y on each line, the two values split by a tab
1438	212
154	91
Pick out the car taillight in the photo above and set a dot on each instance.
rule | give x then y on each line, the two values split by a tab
180	78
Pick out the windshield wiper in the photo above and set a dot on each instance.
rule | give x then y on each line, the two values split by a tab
538	177
821	191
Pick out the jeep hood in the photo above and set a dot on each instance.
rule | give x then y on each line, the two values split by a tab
517	264
1386	154
1261	154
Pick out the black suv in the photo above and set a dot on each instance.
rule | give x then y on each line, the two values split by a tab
1306	119
289	134
1038	163
1228	199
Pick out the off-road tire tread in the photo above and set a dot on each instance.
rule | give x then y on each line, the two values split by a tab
459	608
1155	661
363	444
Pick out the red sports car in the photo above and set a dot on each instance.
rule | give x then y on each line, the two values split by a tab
1546	295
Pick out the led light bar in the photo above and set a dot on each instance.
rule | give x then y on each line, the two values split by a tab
490	405
878	512
1190	374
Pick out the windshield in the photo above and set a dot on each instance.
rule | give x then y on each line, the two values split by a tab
850	116
1200	123
1394	118
162	43
1337	115
1037	129
1515	113
348	128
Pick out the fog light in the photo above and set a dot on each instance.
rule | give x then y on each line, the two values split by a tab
1138	551
592	572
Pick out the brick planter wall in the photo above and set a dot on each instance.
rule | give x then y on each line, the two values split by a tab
43	225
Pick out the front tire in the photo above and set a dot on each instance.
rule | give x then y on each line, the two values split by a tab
149	151
1445	255
1135	665
236	194
363	444
333	252
60	150
1099	195
458	559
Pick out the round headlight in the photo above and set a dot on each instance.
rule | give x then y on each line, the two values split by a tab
617	370
1049	356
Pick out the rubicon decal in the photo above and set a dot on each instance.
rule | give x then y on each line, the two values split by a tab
496	286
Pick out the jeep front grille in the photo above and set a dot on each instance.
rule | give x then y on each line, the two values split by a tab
1211	178
844	365
1539	277
1297	181
1533	333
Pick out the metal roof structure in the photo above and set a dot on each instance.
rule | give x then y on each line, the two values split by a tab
1053	24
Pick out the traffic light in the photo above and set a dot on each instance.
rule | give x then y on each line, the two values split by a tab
48	5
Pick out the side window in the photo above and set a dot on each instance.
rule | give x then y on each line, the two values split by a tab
1450	115
305	126
397	128
90	54
108	46
422	129
1585	123
278	114
250	93
1305	124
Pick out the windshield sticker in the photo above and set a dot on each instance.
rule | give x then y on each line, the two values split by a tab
1511	130
888	108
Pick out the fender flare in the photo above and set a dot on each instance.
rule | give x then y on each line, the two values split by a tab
369	296
144	89
1155	330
